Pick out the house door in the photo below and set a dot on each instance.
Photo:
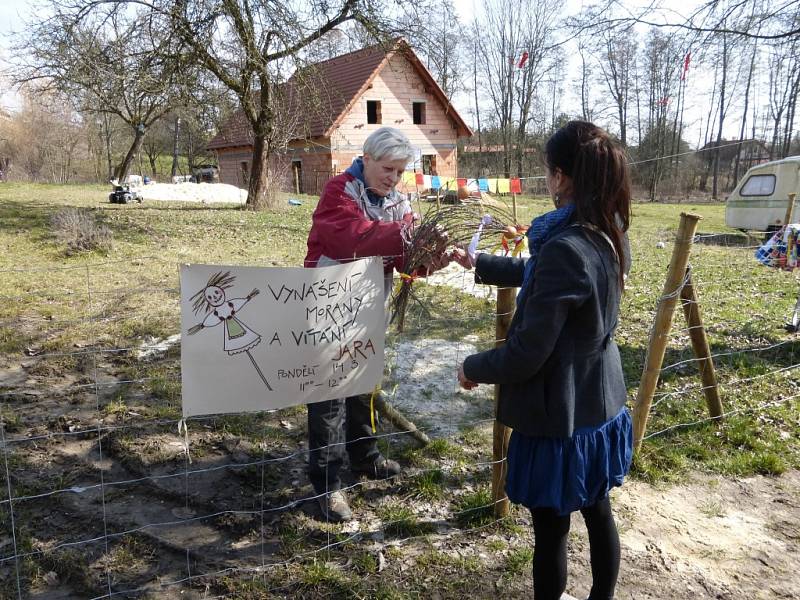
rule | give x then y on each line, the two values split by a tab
297	176
429	164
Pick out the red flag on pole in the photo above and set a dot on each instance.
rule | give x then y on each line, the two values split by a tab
686	61
523	59
516	186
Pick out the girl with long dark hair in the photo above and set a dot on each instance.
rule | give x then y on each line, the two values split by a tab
560	374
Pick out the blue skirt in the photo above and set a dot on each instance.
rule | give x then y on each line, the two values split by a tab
568	474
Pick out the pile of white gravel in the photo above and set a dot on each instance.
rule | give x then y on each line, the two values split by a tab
193	192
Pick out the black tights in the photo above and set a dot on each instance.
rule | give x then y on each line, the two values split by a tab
550	551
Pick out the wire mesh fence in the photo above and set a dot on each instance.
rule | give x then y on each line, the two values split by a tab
104	494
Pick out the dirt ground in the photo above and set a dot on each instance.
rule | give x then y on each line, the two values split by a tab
159	528
710	537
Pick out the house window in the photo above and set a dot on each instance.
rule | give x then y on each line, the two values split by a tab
244	167
429	164
419	113
373	112
758	185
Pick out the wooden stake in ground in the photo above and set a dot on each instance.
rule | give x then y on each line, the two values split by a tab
663	321
789	209
501	434
419	200
514	207
697	333
396	418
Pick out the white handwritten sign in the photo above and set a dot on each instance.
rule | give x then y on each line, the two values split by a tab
257	338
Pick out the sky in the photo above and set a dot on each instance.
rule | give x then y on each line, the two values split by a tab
11	18
14	12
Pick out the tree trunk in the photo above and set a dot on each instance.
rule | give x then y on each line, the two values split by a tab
153	169
744	114
125	168
791	113
584	90
715	183
477	106
175	139
107	139
675	144
261	190
638	111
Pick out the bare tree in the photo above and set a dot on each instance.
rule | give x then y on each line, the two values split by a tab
784	70
724	62
539	28
475	48
176	136
123	63
750	72
250	46
752	19
662	64
440	46
46	137
516	38
587	112
156	143
618	66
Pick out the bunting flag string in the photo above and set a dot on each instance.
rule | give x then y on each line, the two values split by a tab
493	185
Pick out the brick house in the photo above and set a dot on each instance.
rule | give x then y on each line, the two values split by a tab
363	90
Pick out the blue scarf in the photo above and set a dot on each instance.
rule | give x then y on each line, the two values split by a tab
542	229
357	171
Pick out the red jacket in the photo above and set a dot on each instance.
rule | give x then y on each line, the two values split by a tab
345	225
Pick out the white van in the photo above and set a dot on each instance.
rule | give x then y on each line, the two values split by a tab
760	199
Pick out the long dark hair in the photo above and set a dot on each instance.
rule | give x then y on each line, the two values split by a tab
601	183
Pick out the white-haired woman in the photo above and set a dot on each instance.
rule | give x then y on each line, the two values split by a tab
359	214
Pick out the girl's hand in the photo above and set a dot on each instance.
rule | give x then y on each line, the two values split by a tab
463	381
254	293
462	257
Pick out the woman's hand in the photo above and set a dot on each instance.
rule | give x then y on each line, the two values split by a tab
411	219
463	381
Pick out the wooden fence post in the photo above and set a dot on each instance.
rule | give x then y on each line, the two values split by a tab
697	333
789	209
514	207
663	321
506	302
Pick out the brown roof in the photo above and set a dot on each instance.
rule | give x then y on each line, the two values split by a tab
332	87
236	131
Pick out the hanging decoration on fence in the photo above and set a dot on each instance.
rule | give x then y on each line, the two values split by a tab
781	250
258	338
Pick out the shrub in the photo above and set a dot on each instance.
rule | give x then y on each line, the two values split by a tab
80	230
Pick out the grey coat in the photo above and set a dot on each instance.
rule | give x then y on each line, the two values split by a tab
560	368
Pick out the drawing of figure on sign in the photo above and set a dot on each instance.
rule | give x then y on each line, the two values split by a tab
219	310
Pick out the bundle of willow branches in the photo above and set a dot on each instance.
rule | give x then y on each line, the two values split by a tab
451	225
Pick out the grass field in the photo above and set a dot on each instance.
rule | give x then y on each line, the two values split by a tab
69	320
